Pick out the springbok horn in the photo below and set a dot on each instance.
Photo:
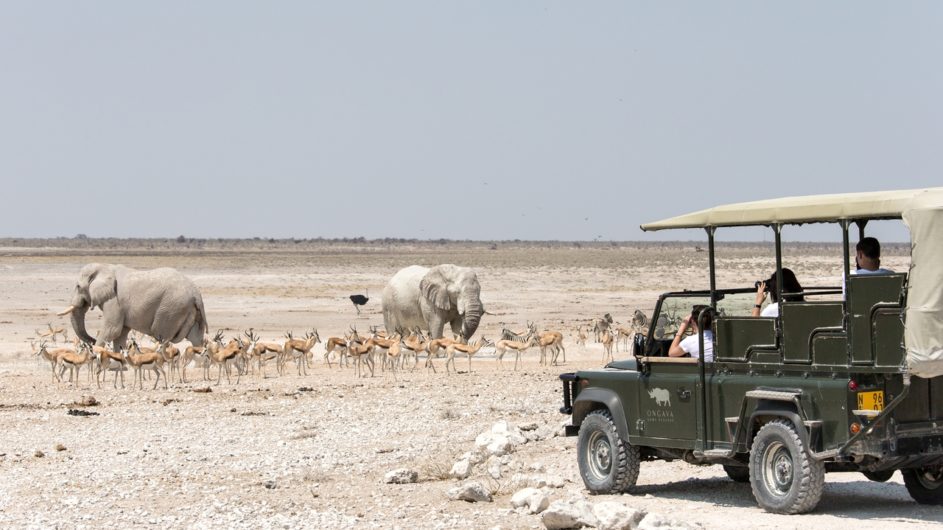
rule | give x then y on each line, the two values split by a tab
67	311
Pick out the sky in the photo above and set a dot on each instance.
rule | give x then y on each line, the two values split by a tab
460	120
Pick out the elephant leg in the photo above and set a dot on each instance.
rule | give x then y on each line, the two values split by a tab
113	328
436	323
456	325
120	339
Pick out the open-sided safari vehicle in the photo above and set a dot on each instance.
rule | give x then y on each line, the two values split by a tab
846	380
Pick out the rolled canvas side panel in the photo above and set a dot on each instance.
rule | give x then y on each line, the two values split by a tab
923	331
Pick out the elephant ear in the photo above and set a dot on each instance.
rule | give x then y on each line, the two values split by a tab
103	286
434	288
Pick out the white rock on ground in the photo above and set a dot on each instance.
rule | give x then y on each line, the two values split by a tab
574	513
532	500
611	515
524	480
474	457
401	476
461	469
494	468
469	492
508	430
493	444
654	521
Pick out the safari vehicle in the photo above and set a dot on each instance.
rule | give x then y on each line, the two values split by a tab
849	379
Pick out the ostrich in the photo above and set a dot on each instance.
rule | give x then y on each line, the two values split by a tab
359	300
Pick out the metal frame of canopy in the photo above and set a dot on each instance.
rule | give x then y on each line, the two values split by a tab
920	209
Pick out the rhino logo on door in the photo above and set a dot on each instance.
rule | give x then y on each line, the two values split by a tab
661	396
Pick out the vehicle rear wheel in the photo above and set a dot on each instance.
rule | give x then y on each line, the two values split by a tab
738	473
783	475
879	476
608	464
925	485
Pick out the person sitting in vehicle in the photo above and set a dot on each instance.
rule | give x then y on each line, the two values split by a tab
868	257
690	345
790	285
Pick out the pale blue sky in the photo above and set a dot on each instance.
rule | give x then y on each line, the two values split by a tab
479	120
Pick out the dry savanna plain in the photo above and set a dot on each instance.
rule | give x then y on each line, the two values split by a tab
314	450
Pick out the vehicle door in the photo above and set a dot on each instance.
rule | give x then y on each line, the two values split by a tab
668	396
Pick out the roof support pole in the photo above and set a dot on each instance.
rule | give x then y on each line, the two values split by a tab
845	247
861	224
712	268
778	231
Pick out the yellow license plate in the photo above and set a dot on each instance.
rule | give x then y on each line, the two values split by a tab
871	400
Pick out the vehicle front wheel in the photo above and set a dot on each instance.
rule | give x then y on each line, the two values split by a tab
608	464
925	485
738	473
784	476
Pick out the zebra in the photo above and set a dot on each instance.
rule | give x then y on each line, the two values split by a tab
507	334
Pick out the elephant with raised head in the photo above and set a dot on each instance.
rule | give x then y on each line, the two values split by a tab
162	303
430	298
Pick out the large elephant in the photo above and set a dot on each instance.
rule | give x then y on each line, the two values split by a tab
430	298
162	303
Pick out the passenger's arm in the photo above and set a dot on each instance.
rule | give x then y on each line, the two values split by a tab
675	350
760	297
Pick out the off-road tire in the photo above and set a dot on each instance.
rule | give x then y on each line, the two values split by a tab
879	476
608	464
738	473
783	475
925	485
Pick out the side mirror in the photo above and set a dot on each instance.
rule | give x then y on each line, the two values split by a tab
638	345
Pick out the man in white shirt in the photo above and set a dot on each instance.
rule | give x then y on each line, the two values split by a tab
868	257
682	345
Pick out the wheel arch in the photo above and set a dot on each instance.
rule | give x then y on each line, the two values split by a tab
770	410
592	399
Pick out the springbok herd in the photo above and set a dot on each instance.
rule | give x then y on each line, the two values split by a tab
248	355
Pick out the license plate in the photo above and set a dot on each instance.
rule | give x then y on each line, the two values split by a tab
871	400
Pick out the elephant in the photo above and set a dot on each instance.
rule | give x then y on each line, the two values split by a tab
162	303
430	298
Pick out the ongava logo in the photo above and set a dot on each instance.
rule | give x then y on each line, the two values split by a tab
661	396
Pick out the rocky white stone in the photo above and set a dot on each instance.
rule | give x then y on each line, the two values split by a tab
461	469
654	521
494	468
474	457
611	515
469	492
401	476
493	444
568	514
512	433
532	500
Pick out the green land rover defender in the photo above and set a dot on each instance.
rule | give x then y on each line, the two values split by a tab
845	378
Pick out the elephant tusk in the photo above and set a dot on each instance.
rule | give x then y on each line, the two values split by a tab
67	311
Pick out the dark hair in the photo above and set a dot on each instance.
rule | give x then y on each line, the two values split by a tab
790	285
870	247
696	314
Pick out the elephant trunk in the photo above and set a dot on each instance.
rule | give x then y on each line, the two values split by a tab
473	312
78	323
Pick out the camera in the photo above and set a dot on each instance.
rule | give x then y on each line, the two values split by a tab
756	285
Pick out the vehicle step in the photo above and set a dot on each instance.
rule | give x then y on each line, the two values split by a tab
716	453
732	419
866	413
775	395
810	424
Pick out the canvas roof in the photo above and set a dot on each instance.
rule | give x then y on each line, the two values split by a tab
807	209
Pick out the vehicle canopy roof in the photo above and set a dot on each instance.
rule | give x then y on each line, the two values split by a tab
920	209
808	209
